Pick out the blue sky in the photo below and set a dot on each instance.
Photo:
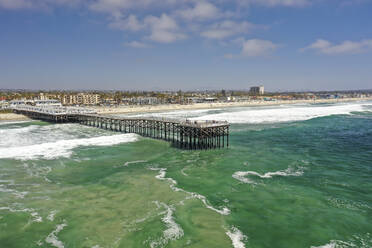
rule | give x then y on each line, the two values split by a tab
186	44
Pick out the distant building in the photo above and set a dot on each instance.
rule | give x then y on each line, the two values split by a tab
257	90
142	101
43	97
81	99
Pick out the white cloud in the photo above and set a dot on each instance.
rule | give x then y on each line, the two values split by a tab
256	47
35	4
202	10
164	29
274	3
180	18
130	23
118	6
346	47
253	48
137	44
227	28
15	4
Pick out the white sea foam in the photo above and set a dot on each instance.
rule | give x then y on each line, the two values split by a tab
360	241
4	188
173	183
52	215
15	136
35	215
18	130
52	238
173	231
183	172
126	164
237	237
134	162
242	175
62	148
332	244
336	244
177	113
287	113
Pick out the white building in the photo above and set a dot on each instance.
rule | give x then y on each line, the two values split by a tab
257	90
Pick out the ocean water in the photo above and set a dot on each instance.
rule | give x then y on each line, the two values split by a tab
294	176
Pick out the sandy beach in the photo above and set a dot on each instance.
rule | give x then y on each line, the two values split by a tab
13	117
174	107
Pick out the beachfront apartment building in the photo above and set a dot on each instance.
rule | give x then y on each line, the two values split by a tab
81	99
257	90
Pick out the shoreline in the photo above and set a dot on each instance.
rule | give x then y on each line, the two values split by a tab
13	117
199	106
196	106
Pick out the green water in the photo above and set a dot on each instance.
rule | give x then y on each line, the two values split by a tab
303	182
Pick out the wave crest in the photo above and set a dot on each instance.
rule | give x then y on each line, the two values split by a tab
62	148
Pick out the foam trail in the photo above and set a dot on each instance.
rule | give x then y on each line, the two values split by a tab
52	215
283	114
52	238
5	189
360	241
161	176
134	162
173	231
242	175
237	237
332	244
35	215
62	148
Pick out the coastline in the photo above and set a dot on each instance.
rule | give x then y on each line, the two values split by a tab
196	106
13	117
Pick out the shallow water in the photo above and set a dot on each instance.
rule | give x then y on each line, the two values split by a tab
294	176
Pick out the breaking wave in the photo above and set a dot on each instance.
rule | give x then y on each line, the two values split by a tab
257	115
177	113
62	148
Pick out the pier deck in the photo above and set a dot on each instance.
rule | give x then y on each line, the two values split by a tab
182	133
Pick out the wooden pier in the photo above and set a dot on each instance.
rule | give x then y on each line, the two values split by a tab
182	133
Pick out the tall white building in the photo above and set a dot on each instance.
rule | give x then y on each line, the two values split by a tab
257	90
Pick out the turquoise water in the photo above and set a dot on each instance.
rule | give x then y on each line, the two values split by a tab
294	176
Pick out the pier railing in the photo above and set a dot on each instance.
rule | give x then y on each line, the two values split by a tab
181	132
